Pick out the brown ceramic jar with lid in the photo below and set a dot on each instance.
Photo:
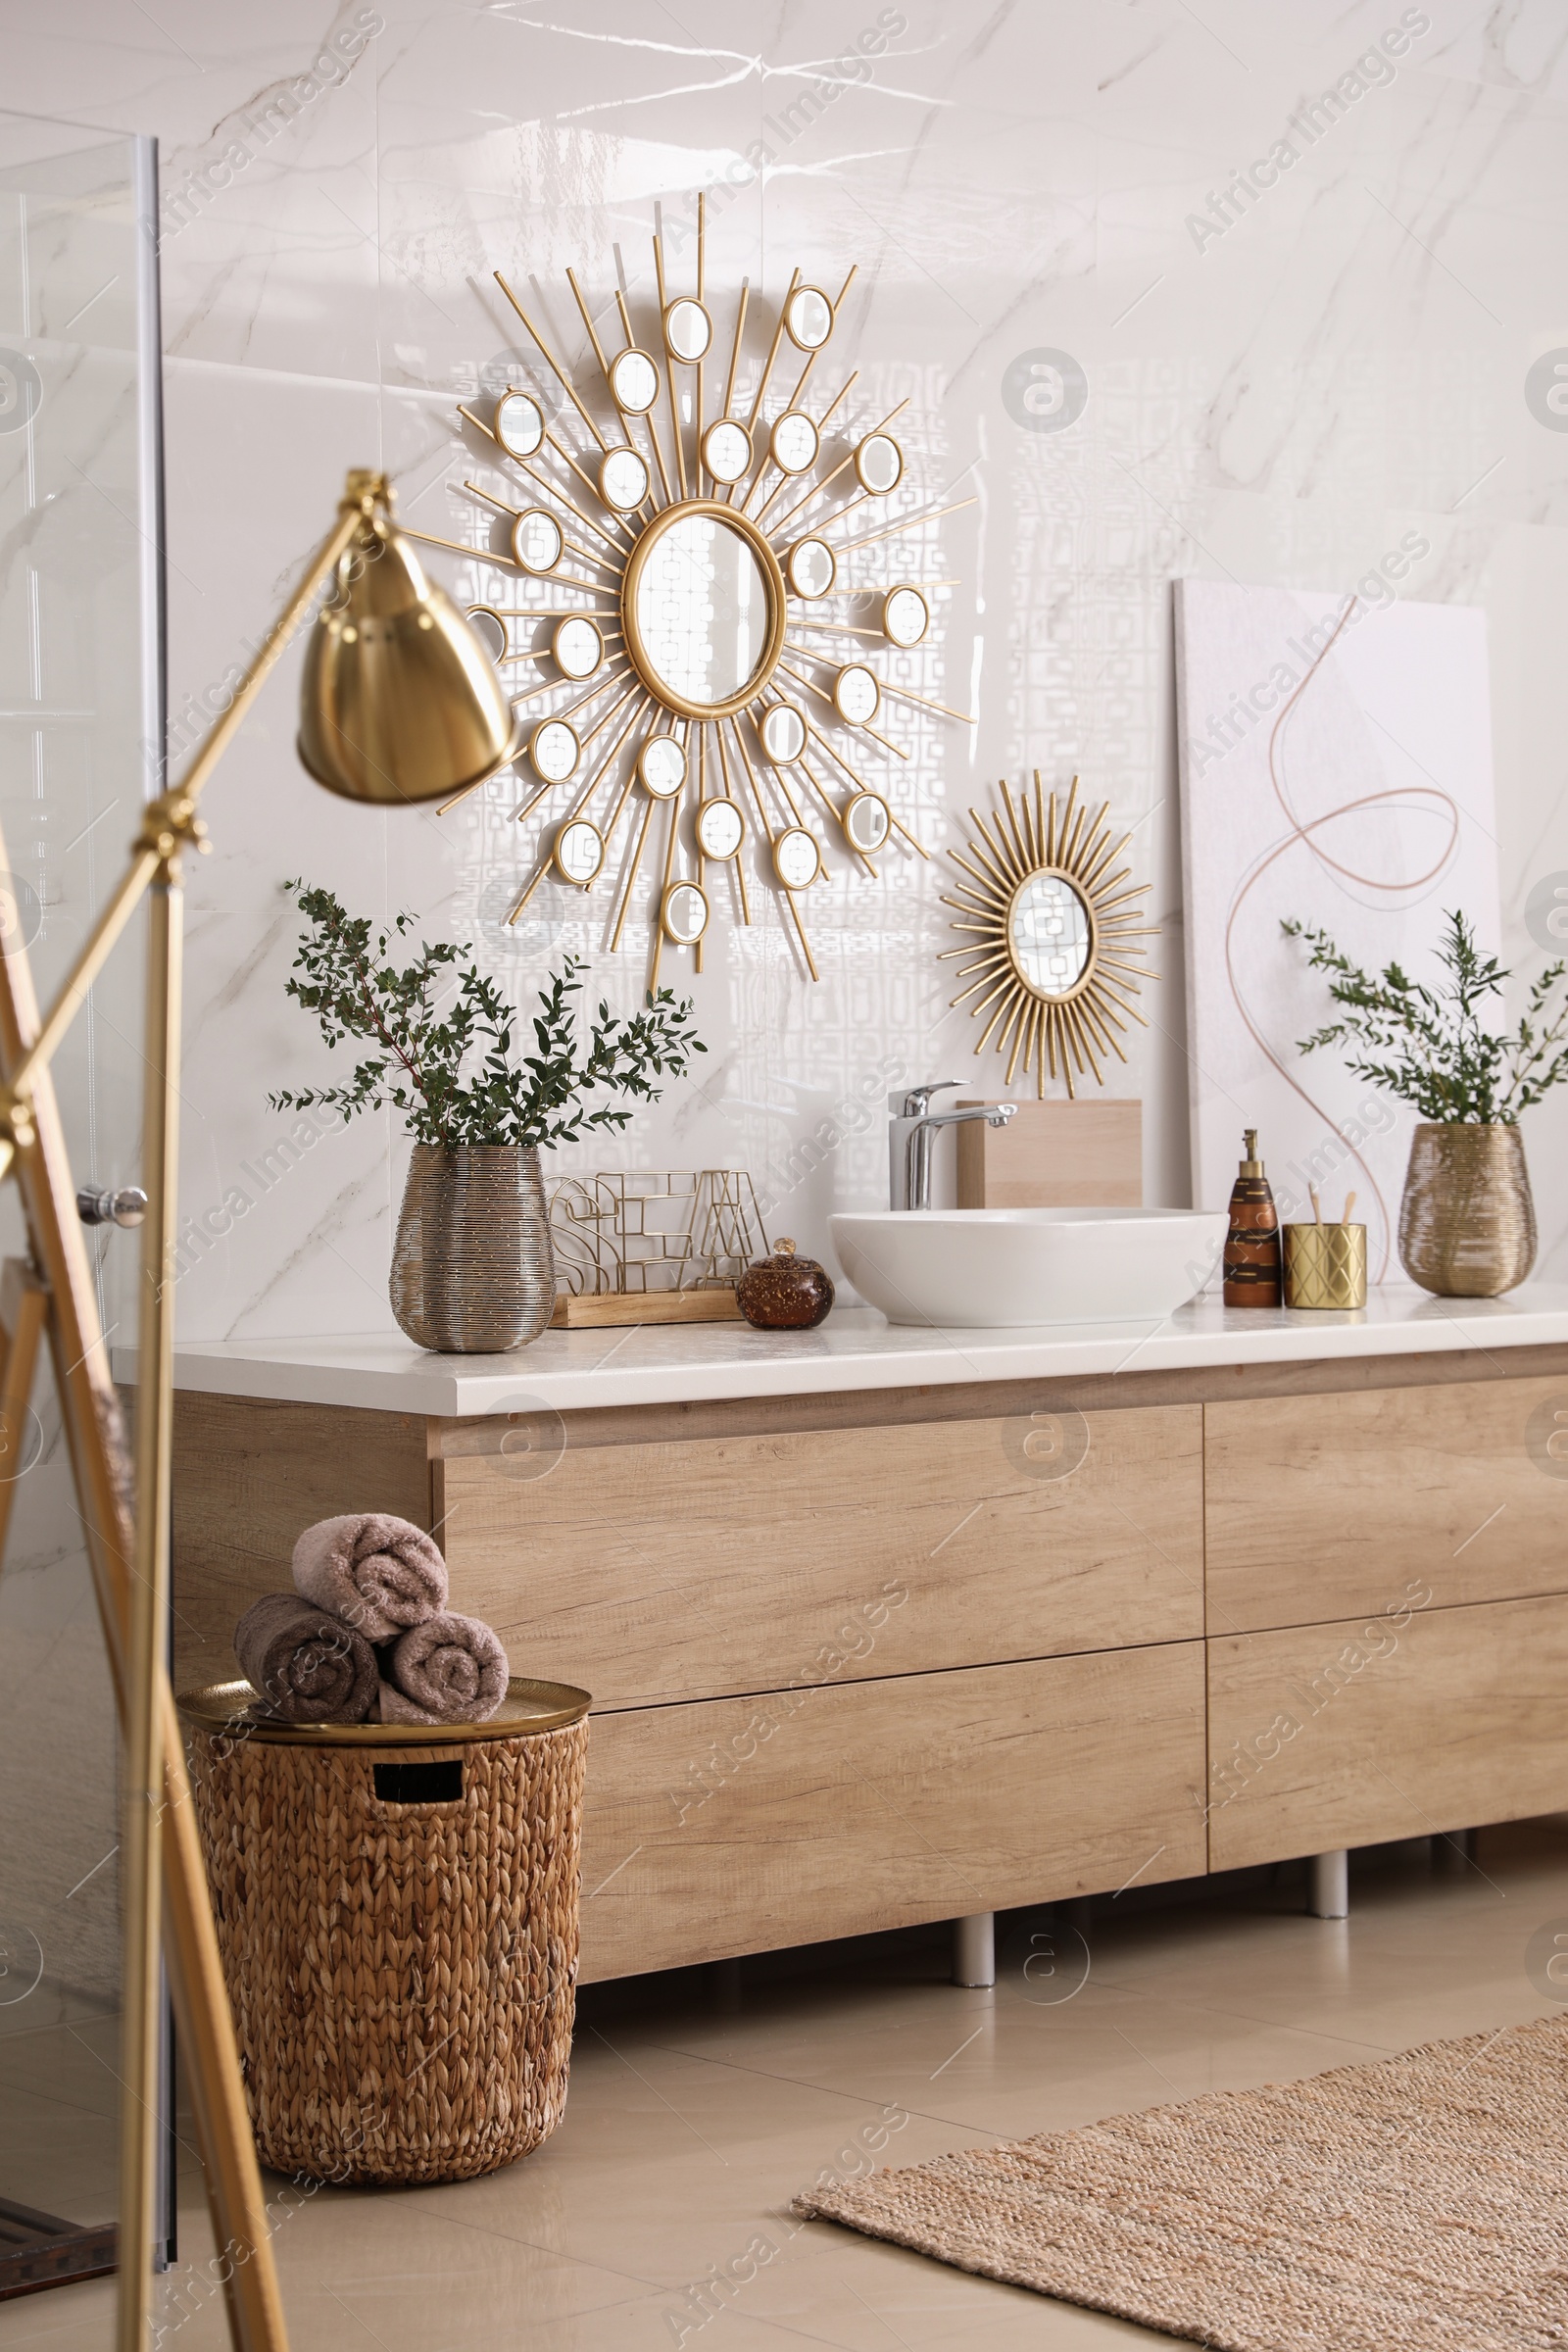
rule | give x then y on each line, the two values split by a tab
784	1291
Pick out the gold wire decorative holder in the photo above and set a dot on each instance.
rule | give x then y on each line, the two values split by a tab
1325	1266
653	1246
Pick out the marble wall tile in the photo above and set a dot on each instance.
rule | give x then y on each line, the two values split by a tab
1277	400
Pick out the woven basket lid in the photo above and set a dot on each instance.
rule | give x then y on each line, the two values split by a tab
233	1709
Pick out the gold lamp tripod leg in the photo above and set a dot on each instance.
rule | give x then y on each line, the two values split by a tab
164	1875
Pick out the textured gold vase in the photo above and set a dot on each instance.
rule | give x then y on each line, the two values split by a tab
473	1272
1467	1223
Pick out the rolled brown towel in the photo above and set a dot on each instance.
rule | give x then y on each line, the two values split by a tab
450	1669
303	1664
378	1574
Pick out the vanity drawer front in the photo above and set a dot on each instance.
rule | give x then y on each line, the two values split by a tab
745	1825
1321	1507
697	1567
1347	1735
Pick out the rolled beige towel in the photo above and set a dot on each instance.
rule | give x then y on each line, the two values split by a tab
450	1669
304	1665
379	1574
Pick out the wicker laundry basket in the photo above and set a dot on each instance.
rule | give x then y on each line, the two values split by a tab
397	1913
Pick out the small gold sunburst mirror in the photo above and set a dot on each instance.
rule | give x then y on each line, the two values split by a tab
1051	934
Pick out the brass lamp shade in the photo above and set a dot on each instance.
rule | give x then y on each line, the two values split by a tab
400	700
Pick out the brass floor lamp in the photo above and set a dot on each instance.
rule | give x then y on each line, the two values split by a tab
401	705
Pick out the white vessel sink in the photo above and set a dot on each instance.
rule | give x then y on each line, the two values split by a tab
985	1268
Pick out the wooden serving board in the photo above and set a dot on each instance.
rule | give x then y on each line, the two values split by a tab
607	1308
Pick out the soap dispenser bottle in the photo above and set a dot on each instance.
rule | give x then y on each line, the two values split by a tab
1253	1243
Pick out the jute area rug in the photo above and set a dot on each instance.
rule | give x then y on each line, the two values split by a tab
1419	2203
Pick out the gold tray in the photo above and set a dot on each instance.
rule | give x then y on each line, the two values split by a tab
528	1707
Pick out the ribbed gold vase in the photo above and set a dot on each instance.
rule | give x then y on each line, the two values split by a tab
472	1270
1467	1222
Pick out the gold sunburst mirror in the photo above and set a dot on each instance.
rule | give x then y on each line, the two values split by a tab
693	587
1050	932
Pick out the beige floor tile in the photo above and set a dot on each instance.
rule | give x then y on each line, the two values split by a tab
697	2114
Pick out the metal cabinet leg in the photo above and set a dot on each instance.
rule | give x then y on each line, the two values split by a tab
1328	1895
975	1949
1454	1854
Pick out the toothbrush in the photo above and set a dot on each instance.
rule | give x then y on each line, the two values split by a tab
1349	1204
1317	1205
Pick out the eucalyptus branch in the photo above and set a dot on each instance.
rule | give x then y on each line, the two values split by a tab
1440	1056
454	1078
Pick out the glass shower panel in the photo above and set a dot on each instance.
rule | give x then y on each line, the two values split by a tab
80	737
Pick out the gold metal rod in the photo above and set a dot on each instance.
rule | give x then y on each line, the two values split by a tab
826	799
591	786
670	367
556	492
739	754
94	954
587	320
94	1429
780	776
475	555
586	554
551	362
647	413
772	350
886	741
631	877
586	479
735	346
702	794
901	694
540	872
23	1314
856	777
840	466
145	854
911	522
837	628
669	868
141	1841
702	285
736	861
805	945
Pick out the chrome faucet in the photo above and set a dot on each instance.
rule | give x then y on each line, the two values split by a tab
910	1133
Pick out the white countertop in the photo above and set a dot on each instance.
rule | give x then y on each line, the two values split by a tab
855	1348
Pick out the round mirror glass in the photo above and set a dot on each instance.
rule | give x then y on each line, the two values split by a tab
623	479
879	463
810	568
856	696
797	860
792	444
783	733
701	610
906	616
867	821
578	647
809	319
661	765
685	913
720	829
519	423
633	381
687	329
491	631
553	751
726	451
579	852
536	541
1049	934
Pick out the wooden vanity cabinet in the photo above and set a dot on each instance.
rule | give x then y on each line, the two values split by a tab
861	1661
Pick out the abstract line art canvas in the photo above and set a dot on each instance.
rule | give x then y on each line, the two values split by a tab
1336	765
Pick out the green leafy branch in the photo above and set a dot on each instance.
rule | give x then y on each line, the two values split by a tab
1438	1055
344	973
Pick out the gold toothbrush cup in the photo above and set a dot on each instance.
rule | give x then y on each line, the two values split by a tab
1325	1266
